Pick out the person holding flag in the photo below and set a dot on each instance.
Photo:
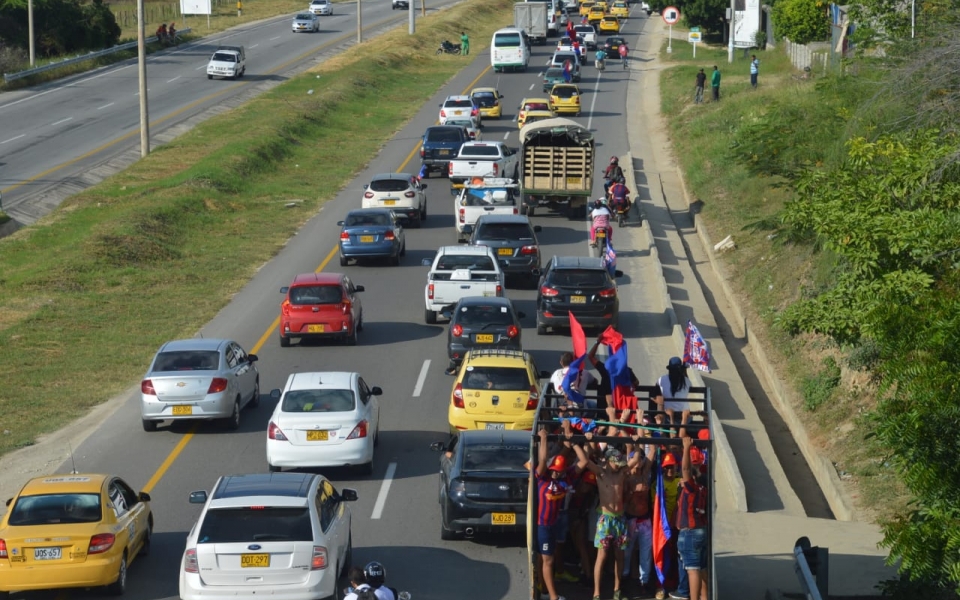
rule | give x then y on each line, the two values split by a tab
664	513
691	524
622	389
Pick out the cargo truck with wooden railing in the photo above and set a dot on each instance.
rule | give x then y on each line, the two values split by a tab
556	166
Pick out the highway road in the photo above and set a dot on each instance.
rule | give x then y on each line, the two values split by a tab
396	519
55	134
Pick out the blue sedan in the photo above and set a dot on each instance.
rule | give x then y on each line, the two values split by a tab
371	233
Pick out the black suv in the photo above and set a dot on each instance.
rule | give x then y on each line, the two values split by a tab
514	241
479	322
579	285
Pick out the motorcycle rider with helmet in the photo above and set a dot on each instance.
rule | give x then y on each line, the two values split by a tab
376	576
600	217
612	174
619	195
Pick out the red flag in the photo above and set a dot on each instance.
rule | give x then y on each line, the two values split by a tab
611	337
579	339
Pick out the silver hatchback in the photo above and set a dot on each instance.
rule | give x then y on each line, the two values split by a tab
199	379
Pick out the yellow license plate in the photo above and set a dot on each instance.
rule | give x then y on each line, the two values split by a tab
317	436
366	239
574	180
389	202
316	328
578	299
182	410
484	338
505	251
503	519
254	560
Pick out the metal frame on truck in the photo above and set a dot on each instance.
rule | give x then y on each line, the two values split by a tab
556	165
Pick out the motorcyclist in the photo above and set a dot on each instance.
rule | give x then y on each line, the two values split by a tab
623	50
600	216
619	195
600	56
376	576
612	174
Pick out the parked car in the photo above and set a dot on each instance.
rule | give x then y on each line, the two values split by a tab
321	305
478	322
306	21
199	378
579	285
328	419
402	193
371	233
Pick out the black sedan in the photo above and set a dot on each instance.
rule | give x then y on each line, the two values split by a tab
481	322
579	285
483	482
612	46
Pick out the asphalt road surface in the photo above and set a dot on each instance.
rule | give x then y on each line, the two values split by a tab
396	519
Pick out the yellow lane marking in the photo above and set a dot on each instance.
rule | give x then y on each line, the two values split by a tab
167	462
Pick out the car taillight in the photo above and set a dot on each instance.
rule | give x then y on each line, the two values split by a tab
190	561
368	195
430	292
450	168
496	169
499	290
3	549
516	211
457	487
422	152
548	291
146	387
101	542
608	293
458	396
345	236
319	558
443	114
409	195
346	307
529	250
285	308
360	431
512	331
456	330
576	99
217	385
389	236
274	433
534	398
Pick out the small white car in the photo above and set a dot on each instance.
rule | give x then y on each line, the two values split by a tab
321	7
402	193
458	107
472	125
278	535
306	21
324	419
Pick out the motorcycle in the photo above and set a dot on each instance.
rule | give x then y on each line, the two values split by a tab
448	47
600	64
601	240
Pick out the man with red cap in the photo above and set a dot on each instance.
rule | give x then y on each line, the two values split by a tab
551	491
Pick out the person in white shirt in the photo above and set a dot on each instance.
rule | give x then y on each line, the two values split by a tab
673	389
358	583
600	219
556	380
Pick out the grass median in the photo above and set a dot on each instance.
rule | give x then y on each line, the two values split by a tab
153	253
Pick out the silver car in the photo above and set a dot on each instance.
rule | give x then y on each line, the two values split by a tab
199	379
321	7
306	21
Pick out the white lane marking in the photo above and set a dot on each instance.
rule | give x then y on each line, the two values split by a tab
531	86
203	66
384	490
13	138
593	102
174	79
273	38
106	106
423	377
254	46
506	135
61	121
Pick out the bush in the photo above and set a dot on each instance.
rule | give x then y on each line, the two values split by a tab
802	21
817	389
12	59
760	39
864	356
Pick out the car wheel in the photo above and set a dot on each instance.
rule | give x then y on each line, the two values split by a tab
343	260
541	329
352	338
284	342
418	223
145	547
403	249
149	425
233	421
360	323
118	587
423	213
395	260
446	534
209	76
430	316
255	400
439	51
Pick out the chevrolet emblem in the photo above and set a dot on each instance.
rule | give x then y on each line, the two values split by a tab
181	383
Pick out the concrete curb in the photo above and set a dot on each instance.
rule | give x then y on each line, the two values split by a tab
823	470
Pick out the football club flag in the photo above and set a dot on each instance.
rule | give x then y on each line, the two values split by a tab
661	530
695	351
609	259
617	366
571	379
579	339
583	425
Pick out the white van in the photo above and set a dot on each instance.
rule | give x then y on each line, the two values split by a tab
509	49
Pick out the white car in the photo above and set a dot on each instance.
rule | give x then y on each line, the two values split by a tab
472	126
321	7
284	536
589	35
324	419
402	193
306	21
458	107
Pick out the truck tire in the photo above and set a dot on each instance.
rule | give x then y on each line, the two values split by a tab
429	316
531	209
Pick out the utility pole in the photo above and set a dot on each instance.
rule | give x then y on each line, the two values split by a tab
359	23
30	30
412	28
913	19
733	20
142	69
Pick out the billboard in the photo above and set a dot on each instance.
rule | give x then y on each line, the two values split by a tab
746	23
195	7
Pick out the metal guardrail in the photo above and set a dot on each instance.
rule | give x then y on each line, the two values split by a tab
76	59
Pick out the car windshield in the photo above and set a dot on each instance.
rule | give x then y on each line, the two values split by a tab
305	17
360	220
563	91
458	104
389	185
224	57
461	123
485	98
579	277
489	197
300	401
315	294
537	105
477	315
583	29
256	524
187	360
479	151
534	118
443	135
495	458
50	509
452	262
504	231
495	378
552	73
506	40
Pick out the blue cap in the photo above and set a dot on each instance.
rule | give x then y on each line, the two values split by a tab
675	362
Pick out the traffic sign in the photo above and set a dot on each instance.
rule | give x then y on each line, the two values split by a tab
695	29
671	15
694	37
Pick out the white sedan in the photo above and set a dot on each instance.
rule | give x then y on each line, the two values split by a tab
321	7
324	419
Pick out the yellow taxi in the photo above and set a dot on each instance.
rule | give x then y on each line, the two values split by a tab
585	8
495	389
609	25
565	98
602	4
529	104
487	100
596	15
69	531
620	10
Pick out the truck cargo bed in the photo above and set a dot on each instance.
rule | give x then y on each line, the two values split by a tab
555	169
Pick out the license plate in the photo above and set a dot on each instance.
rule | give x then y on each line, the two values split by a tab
578	299
505	251
484	338
254	560
182	410
46	553
495	426
366	239
318	436
389	202
503	519
316	328
444	152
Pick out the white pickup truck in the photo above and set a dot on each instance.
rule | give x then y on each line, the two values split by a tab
484	159
457	272
227	61
490	196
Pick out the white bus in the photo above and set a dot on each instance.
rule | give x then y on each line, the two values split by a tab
509	49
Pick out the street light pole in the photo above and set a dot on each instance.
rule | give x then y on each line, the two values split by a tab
913	18
142	69
412	27
30	30
733	20
359	23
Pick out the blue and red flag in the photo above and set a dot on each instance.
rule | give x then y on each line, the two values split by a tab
661	530
579	338
570	380
583	425
616	365
609	259
695	351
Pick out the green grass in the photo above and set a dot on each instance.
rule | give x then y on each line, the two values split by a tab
89	293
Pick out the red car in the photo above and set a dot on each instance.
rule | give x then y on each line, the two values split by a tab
321	305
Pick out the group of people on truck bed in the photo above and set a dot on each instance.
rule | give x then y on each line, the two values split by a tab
631	488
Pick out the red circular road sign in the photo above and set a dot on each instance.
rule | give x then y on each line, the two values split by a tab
671	15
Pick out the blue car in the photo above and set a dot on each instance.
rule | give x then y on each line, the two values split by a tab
371	233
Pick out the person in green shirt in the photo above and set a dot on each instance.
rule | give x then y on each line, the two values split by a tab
464	43
715	83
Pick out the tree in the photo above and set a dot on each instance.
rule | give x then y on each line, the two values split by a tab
802	21
708	14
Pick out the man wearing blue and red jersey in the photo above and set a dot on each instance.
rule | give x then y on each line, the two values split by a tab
551	491
692	526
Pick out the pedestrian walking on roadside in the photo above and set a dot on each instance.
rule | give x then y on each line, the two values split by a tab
464	43
754	70
701	81
715	83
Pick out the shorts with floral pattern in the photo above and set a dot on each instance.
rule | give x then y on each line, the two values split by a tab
611	532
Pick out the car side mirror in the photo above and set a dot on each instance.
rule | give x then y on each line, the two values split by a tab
252	358
275	394
348	495
438	446
426	262
284	289
143	497
7	503
618	273
521	315
366	185
359	288
339	223
198	497
537	228
376	391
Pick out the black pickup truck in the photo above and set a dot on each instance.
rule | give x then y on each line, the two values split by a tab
440	145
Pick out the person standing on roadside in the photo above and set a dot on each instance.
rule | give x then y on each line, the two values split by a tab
715	83
701	81
754	70
464	43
